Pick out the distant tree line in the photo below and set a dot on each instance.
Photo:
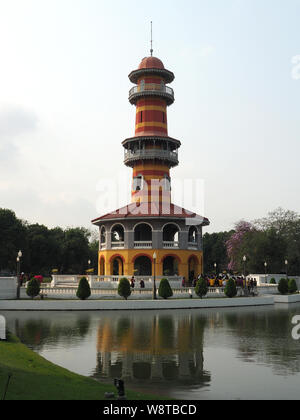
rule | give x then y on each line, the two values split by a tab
273	240
67	250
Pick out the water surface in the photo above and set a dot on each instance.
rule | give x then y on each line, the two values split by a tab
241	353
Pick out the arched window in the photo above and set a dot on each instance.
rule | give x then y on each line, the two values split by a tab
143	233
171	235
103	236
193	235
137	183
117	236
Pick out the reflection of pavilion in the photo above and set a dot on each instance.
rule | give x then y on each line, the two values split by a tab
159	350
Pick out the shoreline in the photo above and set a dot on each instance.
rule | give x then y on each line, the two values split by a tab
136	305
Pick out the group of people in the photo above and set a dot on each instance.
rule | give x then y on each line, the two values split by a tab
221	281
132	283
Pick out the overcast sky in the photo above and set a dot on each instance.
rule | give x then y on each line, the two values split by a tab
64	107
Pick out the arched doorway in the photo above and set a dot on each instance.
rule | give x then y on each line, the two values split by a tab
170	266
102	266
117	266
143	266
193	268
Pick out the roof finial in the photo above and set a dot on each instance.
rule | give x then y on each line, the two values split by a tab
151	51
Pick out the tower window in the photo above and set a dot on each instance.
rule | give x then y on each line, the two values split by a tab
138	183
163	117
141	116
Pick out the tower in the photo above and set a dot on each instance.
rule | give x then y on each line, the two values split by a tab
151	225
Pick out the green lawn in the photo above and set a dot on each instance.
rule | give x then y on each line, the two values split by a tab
34	378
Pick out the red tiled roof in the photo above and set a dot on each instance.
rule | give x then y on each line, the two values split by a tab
151	210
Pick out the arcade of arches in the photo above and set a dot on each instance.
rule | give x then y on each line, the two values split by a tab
182	263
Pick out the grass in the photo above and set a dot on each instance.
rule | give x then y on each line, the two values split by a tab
35	378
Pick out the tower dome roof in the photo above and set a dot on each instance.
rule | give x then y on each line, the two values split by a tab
151	63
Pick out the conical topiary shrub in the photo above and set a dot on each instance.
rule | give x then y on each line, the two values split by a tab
201	288
33	288
230	289
283	286
292	286
273	281
84	290
124	289
164	289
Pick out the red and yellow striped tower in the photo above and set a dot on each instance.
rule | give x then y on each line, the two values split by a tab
151	153
151	235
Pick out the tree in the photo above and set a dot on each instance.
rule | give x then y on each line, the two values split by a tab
234	244
12	239
292	286
201	288
164	289
84	290
283	287
33	288
273	281
75	250
230	289
214	248
124	289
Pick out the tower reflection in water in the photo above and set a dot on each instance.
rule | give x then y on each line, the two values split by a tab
156	349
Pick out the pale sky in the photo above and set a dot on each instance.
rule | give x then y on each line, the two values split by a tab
64	107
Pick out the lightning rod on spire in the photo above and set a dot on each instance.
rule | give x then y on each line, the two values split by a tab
151	51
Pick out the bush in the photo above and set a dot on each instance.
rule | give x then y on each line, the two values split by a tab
292	286
33	288
124	289
283	286
164	289
273	281
84	290
201	288
230	289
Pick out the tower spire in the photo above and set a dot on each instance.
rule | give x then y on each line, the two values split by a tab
151	50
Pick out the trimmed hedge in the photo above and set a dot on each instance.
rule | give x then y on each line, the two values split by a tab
33	288
124	289
283	286
165	291
292	286
201	288
230	289
84	290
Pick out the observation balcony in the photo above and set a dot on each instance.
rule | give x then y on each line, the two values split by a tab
151	89
131	156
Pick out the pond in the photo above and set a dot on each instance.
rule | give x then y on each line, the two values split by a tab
242	353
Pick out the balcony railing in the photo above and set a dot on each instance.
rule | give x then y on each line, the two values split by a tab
152	89
192	245
151	154
142	244
117	245
168	244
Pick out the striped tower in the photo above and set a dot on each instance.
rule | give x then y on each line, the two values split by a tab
151	238
151	153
